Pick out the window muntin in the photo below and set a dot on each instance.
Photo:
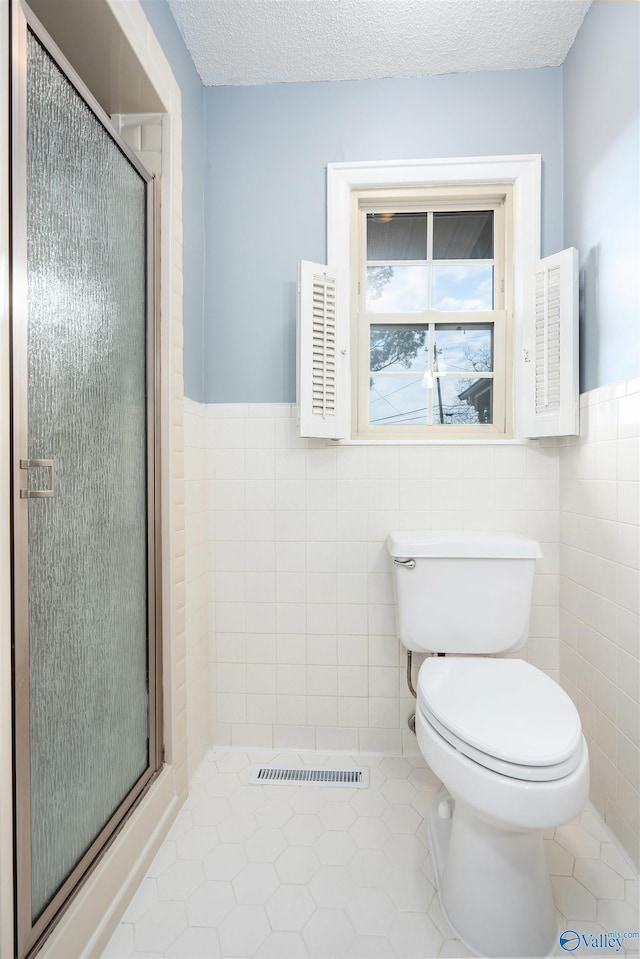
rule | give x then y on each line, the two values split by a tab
440	373
431	323
438	260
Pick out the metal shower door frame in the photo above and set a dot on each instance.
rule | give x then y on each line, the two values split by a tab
29	935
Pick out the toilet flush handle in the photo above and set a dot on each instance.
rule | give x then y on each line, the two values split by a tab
406	563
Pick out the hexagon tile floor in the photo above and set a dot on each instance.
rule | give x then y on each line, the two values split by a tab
324	871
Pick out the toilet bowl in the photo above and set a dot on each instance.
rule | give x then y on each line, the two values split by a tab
489	856
503	737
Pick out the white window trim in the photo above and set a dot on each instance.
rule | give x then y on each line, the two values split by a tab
523	173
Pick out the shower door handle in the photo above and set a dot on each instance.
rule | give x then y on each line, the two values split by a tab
39	493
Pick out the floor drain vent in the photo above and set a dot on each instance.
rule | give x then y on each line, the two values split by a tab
279	776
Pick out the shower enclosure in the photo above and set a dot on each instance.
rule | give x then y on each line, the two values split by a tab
87	733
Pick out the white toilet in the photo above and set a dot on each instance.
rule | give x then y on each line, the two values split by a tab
505	740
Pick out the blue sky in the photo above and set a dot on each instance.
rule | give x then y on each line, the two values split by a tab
455	287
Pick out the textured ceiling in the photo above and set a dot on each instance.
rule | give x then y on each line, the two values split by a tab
235	42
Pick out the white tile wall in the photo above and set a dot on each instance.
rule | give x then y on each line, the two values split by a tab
303	652
143	133
600	597
198	616
289	580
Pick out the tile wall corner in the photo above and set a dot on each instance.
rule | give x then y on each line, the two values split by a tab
600	597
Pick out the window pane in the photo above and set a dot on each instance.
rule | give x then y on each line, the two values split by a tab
464	348
399	348
463	236
462	400
397	399
396	236
396	289
462	286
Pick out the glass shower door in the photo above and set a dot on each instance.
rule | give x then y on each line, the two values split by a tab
84	471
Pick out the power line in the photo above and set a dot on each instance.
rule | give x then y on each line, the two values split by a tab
394	408
448	411
400	388
382	419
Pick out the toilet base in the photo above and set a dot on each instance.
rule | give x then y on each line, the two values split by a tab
493	884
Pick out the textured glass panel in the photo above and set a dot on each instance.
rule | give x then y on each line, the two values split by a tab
87	545
396	236
462	286
397	399
463	236
398	348
396	289
464	348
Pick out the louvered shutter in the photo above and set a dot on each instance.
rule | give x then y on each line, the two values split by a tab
550	370
322	400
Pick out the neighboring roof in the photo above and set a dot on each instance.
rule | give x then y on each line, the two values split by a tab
477	388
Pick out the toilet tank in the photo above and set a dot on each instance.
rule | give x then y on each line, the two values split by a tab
462	592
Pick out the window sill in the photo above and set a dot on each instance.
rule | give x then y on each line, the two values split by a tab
435	442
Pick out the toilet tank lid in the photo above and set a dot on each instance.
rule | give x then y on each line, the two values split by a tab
458	544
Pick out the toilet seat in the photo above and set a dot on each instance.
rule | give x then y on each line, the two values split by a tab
513	770
504	714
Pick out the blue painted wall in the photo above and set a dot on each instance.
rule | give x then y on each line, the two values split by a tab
262	153
601	97
164	26
267	148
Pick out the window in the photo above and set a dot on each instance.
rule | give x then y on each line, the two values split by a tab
435	320
430	328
